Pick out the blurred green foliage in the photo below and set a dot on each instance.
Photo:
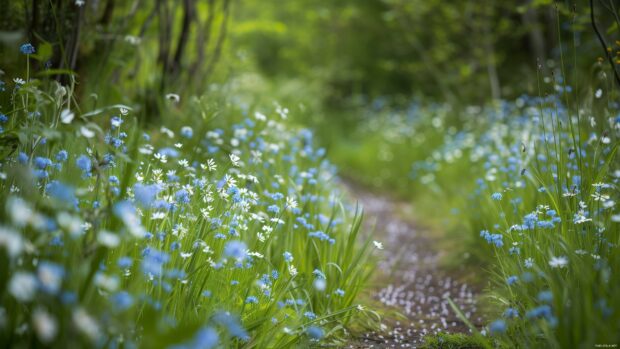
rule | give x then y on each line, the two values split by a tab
392	49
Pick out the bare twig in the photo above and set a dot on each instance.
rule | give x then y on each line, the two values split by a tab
602	41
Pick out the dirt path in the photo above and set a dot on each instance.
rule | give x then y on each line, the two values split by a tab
410	279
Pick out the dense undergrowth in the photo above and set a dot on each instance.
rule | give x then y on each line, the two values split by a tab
202	231
528	187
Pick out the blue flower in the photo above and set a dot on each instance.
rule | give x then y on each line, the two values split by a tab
145	195
153	262
187	132
116	121
22	158
318	274
206	338
496	239
42	163
235	249
50	276
541	311
61	192
83	163
27	49
251	300
511	280
320	235
310	315
315	332
545	296
496	196
122	300
511	313
339	292
288	257
169	152
497	327
182	196
232	325
124	262
273	209
62	156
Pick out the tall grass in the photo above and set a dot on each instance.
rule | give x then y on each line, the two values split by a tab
531	187
197	233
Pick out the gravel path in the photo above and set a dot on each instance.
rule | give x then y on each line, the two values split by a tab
410	279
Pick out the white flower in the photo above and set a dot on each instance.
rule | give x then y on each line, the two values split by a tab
108	239
86	132
23	286
558	262
600	197
580	218
108	283
319	284
378	245
162	158
283	112
168	132
158	215
12	241
66	116
211	166
45	325
86	324
173	97
290	202
133	40
259	116
235	160
19	210
70	223
79	3
598	93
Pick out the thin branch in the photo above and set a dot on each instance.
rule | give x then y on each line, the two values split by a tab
602	41
108	11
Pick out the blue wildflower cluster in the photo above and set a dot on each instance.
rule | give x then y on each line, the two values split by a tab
535	179
111	232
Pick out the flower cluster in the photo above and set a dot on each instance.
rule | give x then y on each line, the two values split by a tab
124	235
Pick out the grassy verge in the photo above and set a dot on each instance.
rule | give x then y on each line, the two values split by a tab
200	232
529	188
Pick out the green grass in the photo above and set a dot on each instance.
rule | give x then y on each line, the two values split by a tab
452	341
450	162
231	235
